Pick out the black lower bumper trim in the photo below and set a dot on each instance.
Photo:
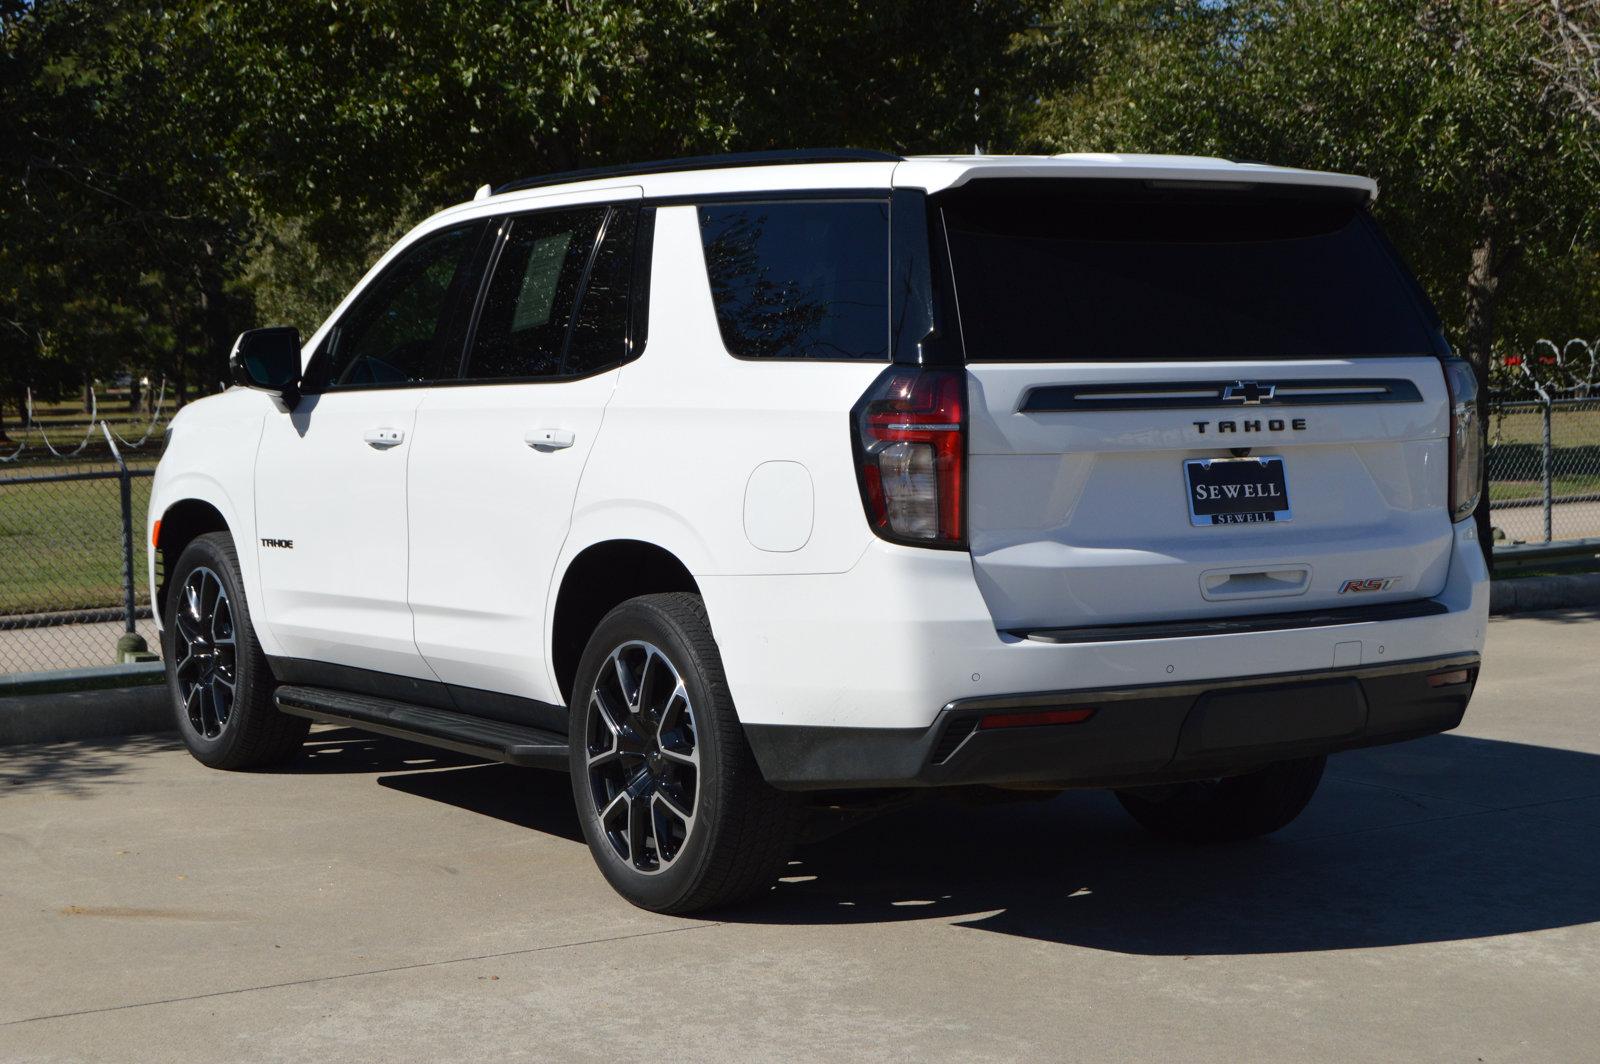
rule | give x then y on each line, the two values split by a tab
1136	736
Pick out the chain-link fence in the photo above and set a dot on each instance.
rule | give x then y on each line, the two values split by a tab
73	574
1544	469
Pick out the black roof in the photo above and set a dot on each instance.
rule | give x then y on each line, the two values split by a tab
706	162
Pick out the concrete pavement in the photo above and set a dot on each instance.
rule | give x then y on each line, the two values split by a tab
1438	902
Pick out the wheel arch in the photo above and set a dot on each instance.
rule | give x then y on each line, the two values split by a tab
182	521
599	578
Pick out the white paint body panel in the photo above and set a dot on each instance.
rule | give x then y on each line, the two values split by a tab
210	457
339	595
778	507
1081	518
489	513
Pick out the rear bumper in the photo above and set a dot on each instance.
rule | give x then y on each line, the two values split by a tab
906	631
1137	735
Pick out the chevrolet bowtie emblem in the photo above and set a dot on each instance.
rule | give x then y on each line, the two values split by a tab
1249	393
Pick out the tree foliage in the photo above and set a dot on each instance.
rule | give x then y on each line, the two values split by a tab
1487	172
174	172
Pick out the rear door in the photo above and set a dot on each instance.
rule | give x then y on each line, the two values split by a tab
499	454
1191	403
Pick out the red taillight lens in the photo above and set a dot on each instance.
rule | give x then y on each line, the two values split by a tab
911	452
1448	679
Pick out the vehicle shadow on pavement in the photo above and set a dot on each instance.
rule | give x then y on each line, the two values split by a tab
529	798
1440	839
540	801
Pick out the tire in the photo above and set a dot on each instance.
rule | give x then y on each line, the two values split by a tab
672	803
209	641
1228	809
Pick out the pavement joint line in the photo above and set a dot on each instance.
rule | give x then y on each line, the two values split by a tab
356	975
1422	794
1478	811
1395	827
1463	801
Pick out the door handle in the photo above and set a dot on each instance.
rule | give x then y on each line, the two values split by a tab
382	438
549	439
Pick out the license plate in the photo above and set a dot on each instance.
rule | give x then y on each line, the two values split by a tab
1237	491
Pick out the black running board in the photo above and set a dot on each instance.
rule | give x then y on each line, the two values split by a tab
492	739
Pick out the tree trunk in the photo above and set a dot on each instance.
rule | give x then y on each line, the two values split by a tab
216	319
133	392
88	392
1493	256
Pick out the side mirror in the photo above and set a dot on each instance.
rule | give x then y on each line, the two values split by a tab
269	361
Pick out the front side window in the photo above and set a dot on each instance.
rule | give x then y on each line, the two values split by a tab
522	328
394	332
805	279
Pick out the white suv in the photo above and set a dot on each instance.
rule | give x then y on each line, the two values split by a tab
719	481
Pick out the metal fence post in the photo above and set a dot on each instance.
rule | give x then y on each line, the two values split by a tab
1549	488
131	642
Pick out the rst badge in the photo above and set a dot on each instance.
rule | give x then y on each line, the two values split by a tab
1371	583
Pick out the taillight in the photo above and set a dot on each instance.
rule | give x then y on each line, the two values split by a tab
911	455
1466	440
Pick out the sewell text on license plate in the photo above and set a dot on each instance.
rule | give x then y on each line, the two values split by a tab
1237	491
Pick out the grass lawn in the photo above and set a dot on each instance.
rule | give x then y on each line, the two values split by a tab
61	543
1579	484
1516	443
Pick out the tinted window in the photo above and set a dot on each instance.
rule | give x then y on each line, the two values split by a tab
522	329
801	279
1058	276
600	333
394	331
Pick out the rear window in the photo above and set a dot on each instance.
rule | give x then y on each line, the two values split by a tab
1069	275
800	280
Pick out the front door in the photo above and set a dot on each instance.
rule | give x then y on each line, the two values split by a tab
331	517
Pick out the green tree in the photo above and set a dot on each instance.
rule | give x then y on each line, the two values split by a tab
123	222
1487	172
353	121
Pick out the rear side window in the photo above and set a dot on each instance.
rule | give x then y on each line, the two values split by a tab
806	279
1064	275
522	328
393	333
600	330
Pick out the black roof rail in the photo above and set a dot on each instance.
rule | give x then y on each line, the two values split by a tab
706	162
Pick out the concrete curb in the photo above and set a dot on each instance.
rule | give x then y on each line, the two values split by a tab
64	716
1528	593
93	678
